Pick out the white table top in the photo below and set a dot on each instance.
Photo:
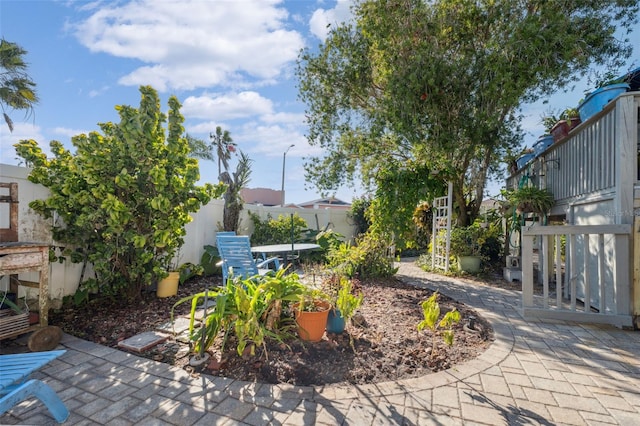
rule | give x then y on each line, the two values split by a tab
283	248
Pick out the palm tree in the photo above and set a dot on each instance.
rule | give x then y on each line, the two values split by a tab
199	148
232	199
224	146
17	90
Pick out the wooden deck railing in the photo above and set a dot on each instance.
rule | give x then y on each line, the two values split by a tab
592	282
598	157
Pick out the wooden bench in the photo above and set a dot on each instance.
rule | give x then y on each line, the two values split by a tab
14	386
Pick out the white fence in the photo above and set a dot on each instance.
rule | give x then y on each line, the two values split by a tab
64	278
592	284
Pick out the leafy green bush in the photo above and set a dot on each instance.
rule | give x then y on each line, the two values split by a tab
124	196
254	309
276	231
367	259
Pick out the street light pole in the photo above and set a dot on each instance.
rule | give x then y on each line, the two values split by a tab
284	159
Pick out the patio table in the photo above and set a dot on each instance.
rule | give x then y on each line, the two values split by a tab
283	249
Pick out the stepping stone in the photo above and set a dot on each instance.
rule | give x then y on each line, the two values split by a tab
178	325
143	341
183	337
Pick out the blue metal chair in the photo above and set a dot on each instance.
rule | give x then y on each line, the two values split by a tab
14	386
235	251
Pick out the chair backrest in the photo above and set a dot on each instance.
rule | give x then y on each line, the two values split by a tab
235	251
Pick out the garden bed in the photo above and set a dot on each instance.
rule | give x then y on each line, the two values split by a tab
387	345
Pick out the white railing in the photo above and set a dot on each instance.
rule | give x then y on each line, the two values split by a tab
591	285
597	159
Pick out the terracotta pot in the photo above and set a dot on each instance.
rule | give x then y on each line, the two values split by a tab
311	325
168	286
560	131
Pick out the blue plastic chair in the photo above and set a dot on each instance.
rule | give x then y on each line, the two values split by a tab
14	386
235	251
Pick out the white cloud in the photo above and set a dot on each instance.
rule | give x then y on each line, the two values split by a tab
322	20
226	107
192	44
68	133
21	130
273	140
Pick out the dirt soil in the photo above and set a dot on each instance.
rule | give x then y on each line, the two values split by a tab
387	344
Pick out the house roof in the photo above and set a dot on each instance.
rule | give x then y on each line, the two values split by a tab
329	201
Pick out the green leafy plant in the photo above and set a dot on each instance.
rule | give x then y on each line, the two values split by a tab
529	199
347	302
209	260
367	259
254	309
189	270
124	196
467	241
276	231
548	120
431	313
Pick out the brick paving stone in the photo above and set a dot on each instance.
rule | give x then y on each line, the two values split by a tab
495	384
615	402
119	422
566	416
517	391
87	410
116	391
519	379
179	413
446	396
420	399
483	415
231	407
143	409
360	414
597	419
539	395
580	403
535	369
553	385
625	418
260	416
114	410
583	390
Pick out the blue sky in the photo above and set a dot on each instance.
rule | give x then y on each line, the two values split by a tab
230	63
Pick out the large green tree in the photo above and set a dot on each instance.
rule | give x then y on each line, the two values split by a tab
17	89
439	83
124	195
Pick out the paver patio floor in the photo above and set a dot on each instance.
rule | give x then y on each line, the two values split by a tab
535	373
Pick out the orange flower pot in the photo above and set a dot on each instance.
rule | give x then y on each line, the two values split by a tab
311	325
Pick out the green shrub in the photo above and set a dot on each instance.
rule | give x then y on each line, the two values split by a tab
276	231
367	259
254	309
124	195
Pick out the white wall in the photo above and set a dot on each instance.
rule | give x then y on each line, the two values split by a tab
64	278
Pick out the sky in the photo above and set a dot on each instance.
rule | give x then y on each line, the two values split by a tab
231	63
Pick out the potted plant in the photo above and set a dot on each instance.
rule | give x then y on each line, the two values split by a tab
168	286
569	119
530	199
311	314
466	246
344	304
545	141
608	87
